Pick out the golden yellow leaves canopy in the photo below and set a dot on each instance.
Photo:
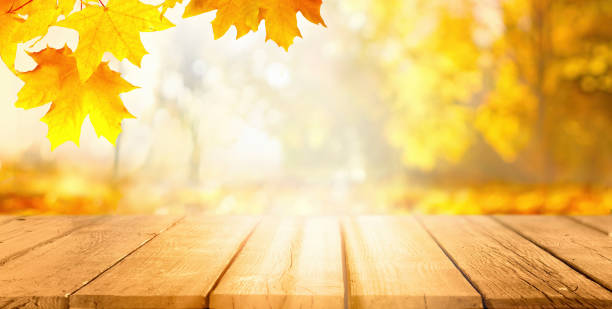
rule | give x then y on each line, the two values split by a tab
79	85
525	84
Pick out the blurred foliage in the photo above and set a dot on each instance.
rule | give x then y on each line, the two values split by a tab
440	106
49	190
53	191
503	198
530	79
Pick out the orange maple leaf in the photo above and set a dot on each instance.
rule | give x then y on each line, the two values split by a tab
56	80
245	15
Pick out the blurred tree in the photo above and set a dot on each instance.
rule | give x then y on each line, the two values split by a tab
531	79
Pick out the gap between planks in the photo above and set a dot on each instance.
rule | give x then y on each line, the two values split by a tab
566	259
535	278
288	262
231	261
596	222
345	273
178	269
418	219
394	263
125	256
52	270
41	240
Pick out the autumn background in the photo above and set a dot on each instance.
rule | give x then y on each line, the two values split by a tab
454	106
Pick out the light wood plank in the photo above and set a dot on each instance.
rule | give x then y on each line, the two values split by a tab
175	270
580	246
600	223
393	263
287	263
21	234
6	218
510	271
46	275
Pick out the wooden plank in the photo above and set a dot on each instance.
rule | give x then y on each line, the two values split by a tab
393	263
600	223
287	263
510	271
175	270
587	250
21	234
6	218
46	275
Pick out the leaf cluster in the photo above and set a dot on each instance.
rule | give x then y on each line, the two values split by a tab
79	83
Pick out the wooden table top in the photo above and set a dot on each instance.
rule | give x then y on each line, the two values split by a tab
305	262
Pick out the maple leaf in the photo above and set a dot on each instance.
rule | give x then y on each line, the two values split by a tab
168	4
66	6
8	25
114	28
245	15
15	28
56	80
281	22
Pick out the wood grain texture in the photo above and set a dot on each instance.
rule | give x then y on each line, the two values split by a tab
19	235
6	218
600	223
287	263
586	249
510	271
46	275
393	263
175	270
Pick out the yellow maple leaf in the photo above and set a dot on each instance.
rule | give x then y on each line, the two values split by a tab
245	15
8	47
66	6
56	80
168	4
16	28
114	28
